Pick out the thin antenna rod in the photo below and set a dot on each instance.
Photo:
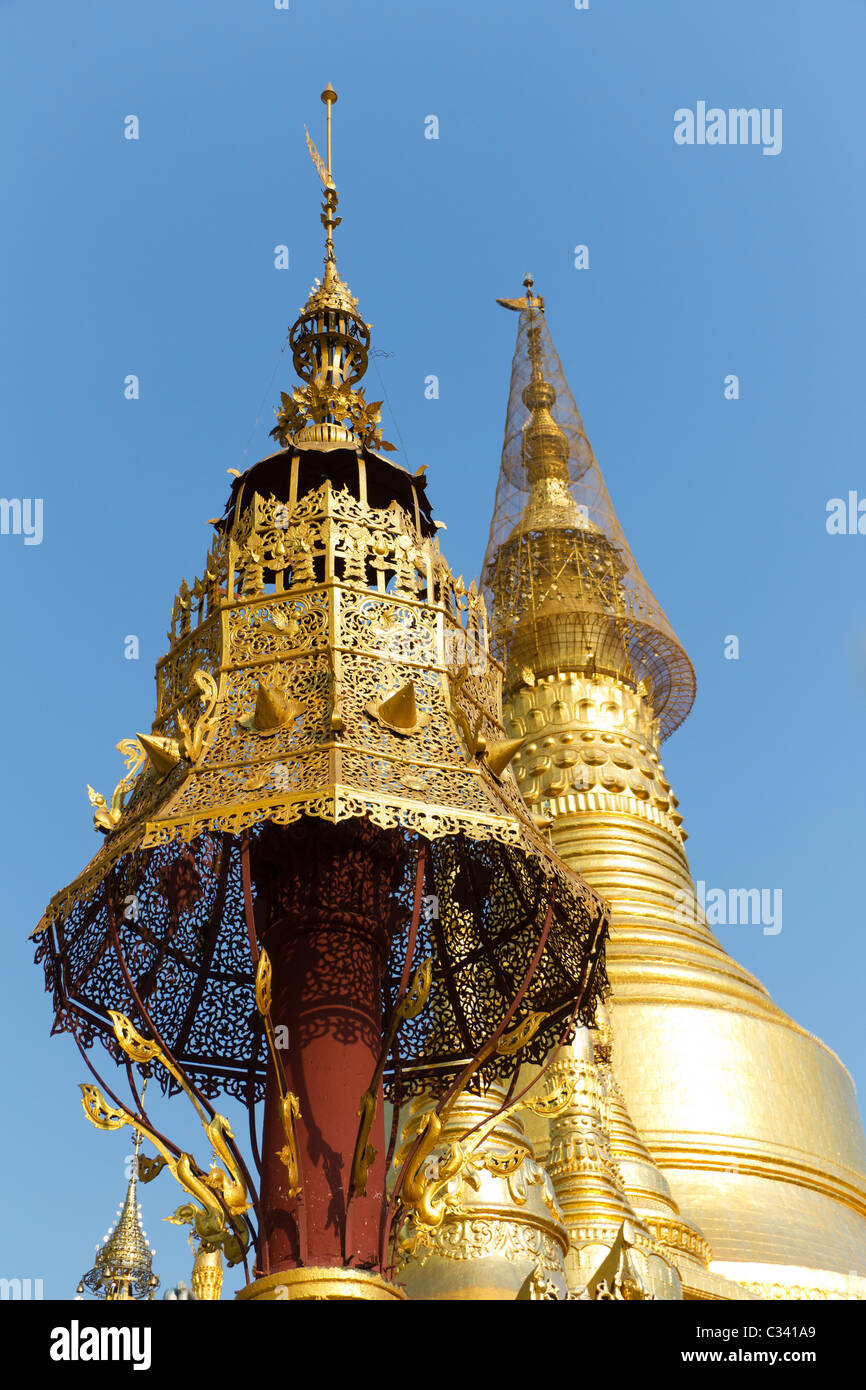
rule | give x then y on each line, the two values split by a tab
329	96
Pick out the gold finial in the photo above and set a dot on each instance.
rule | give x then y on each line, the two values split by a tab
330	220
123	1269
545	446
330	344
329	96
528	301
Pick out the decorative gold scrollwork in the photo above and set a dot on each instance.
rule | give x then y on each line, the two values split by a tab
431	1189
418	992
475	742
216	1193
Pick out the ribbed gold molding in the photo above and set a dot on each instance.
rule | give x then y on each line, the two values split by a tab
643	1181
768	1282
753	1120
207	1275
346	1285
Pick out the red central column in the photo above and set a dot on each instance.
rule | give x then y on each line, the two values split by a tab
324	893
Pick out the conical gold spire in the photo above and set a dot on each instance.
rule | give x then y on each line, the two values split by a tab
123	1269
563	589
273	711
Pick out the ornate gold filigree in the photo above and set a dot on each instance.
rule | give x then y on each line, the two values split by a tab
319	403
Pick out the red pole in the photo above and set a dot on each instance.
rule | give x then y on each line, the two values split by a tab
324	893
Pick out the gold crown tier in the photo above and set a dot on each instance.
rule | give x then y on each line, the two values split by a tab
753	1120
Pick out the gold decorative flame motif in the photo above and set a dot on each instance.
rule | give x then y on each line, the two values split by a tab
518	1036
263	985
105	817
193	740
289	1103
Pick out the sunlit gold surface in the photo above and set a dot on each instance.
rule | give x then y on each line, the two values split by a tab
207	1275
752	1119
316	1285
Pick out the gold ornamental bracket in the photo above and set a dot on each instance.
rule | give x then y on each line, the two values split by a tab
289	1104
409	1007
106	818
220	1196
427	1189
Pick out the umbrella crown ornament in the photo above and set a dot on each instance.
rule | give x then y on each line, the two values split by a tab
327	749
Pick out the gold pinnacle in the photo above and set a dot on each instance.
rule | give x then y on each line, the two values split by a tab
499	755
272	712
399	710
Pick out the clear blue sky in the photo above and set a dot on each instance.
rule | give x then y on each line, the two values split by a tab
155	257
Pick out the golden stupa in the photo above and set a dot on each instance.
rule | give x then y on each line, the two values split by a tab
749	1122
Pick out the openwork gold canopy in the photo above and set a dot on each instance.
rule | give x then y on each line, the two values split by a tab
328	743
327	665
322	818
564	591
